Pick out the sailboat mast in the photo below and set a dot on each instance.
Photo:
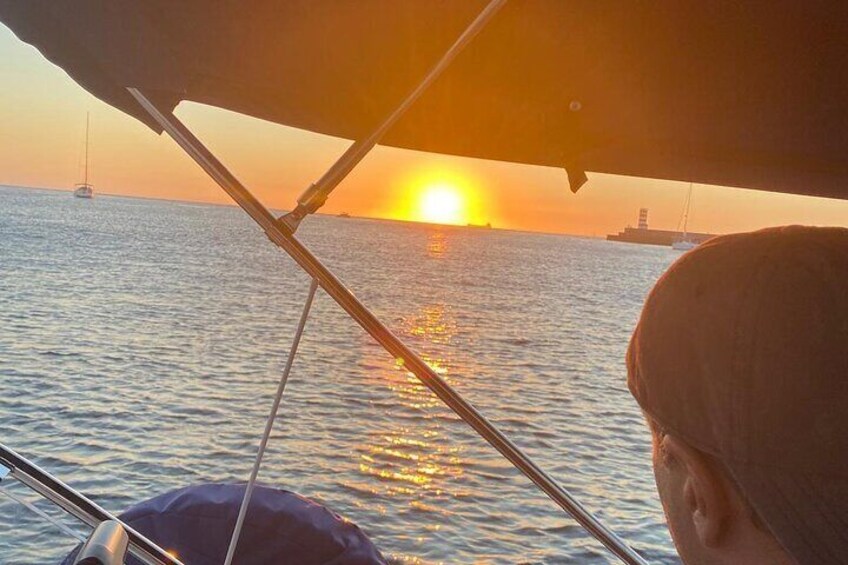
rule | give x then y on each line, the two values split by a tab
686	210
85	180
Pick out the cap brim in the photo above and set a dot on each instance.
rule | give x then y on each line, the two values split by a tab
807	514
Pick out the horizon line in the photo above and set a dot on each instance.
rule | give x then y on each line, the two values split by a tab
328	214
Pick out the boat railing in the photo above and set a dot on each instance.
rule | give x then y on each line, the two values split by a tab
15	467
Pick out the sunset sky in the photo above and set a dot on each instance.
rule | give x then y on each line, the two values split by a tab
42	118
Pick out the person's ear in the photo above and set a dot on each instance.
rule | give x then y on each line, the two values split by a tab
705	493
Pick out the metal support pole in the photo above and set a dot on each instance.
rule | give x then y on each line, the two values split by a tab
315	196
269	423
282	236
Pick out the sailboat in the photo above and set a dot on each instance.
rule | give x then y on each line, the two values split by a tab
684	242
345	73
84	189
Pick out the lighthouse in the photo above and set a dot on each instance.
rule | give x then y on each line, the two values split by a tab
643	218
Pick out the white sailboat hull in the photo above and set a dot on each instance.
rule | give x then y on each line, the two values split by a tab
683	245
84	191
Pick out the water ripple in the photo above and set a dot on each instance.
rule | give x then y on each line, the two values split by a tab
141	343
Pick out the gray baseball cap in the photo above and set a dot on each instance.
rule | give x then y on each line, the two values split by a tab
742	351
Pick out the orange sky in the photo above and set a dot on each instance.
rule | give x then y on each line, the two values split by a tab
42	120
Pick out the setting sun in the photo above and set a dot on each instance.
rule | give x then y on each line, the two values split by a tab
442	204
437	194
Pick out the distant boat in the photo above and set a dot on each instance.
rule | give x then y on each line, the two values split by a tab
486	226
683	245
684	242
84	189
344	215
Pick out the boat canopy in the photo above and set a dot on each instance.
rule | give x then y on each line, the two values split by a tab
747	94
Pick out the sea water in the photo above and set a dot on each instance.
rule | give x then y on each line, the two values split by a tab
141	343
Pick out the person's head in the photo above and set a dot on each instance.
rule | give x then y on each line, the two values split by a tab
740	364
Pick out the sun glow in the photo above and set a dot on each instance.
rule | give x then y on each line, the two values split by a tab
442	204
439	195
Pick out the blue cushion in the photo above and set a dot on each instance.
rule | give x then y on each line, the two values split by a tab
196	523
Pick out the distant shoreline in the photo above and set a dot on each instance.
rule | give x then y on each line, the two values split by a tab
328	214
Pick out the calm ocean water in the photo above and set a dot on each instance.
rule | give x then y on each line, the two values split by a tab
141	343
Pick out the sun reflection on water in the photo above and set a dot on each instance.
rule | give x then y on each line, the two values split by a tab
434	324
437	244
414	462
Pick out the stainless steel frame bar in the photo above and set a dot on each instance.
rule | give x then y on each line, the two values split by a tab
315	196
280	233
77	505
